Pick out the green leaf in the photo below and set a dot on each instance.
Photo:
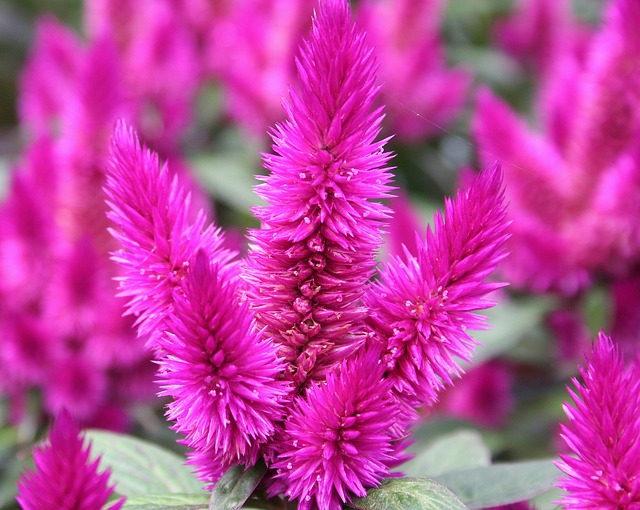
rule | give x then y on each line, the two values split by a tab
139	468
511	322
463	449
235	487
229	177
501	484
409	493
168	502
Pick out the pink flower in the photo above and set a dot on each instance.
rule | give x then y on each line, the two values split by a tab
220	372
152	214
541	31
574	193
604	425
65	476
341	438
422	306
421	93
312	258
252	51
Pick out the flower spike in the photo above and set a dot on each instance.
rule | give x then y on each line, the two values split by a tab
65	477
420	310
315	252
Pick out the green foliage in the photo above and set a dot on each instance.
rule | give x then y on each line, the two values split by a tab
235	487
140	468
409	493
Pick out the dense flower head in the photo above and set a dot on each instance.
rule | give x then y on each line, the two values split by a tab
311	259
416	82
604	425
159	233
422	305
574	190
341	437
220	372
66	477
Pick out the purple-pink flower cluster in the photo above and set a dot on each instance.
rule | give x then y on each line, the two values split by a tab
304	354
602	470
66	476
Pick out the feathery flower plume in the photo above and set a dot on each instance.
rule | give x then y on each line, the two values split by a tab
311	260
342	436
219	371
183	283
422	307
65	476
413	70
602	433
151	213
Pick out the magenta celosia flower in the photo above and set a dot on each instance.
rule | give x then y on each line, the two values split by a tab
152	214
159	60
311	260
483	396
220	372
66	477
49	76
540	31
422	306
574	194
604	425
413	71
342	437
251	50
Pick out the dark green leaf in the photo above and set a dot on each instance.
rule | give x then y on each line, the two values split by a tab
139	468
235	487
463	449
501	484
168	502
409	493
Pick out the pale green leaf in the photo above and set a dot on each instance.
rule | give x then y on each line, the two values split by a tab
235	487
139	468
462	449
501	484
168	502
409	493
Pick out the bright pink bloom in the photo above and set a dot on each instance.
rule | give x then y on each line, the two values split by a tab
420	92
152	217
341	437
604	425
160	63
422	306
220	373
252	51
483	396
66	477
574	194
311	260
541	31
403	225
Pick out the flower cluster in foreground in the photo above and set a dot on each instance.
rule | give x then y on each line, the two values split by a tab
604	426
67	460
293	355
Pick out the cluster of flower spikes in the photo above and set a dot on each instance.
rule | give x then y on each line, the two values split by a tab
66	475
602	470
294	355
579	225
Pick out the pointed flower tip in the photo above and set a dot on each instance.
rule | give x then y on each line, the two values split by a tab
66	475
602	432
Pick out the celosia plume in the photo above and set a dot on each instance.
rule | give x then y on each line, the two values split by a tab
341	437
603	430
220	372
66	477
422	306
152	213
311	260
